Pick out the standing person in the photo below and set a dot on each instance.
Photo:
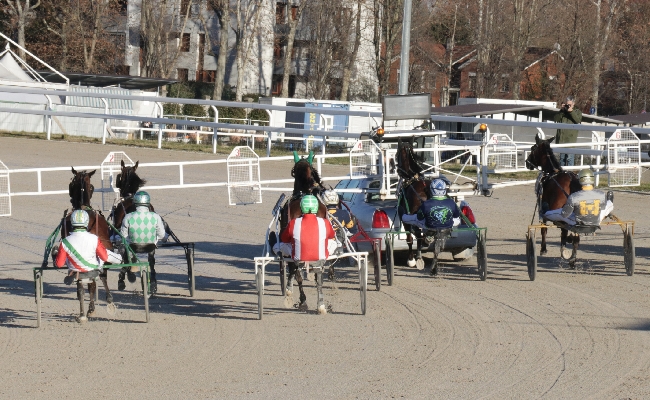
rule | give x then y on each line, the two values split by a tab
308	238
568	114
143	228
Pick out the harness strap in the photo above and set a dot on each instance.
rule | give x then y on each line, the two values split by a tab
558	185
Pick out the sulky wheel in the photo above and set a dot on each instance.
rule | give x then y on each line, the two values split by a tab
531	256
390	261
481	256
283	277
629	252
363	285
377	264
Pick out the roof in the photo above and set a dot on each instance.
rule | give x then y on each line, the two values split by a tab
634	119
474	110
98	80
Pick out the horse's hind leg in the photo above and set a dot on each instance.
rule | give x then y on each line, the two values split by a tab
121	285
411	260
543	251
303	298
574	252
319	289
152	264
104	278
434	262
80	296
564	252
419	262
92	289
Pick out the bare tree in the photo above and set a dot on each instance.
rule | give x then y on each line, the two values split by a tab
247	30
222	11
350	59
21	10
289	40
388	16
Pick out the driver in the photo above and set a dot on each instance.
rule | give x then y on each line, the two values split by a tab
307	238
584	207
334	208
82	251
438	212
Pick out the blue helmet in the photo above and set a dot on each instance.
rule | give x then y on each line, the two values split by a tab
438	187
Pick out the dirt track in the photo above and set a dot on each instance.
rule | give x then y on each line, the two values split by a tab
569	334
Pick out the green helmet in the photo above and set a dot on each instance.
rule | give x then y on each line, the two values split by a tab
309	204
79	219
586	177
141	198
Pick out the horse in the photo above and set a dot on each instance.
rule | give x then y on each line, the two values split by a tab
128	182
306	181
413	191
553	187
81	190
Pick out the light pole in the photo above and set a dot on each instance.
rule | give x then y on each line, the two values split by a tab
406	47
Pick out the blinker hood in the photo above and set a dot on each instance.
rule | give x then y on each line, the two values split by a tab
310	158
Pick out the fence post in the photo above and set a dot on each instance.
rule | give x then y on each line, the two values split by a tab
268	143
214	129
49	117
160	129
105	120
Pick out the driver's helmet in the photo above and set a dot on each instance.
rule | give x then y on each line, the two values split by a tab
79	219
309	204
438	187
331	198
141	198
586	177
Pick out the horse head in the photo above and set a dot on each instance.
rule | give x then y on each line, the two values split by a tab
307	180
407	165
128	181
541	156
80	188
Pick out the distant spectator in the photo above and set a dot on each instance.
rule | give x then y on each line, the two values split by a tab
568	114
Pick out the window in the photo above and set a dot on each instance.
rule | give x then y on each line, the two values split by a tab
119	6
201	49
122	69
278	49
471	82
294	13
206	76
184	5
182	74
185	42
280	13
276	87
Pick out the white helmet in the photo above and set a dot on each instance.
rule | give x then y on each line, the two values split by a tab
330	197
438	187
79	219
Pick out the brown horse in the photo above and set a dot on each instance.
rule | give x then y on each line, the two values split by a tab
307	181
414	190
81	191
553	188
128	182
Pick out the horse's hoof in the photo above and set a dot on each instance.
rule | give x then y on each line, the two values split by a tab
330	276
131	276
572	263
81	319
153	286
419	264
322	310
110	309
68	280
121	285
543	252
410	263
303	306
288	301
434	271
566	253
109	298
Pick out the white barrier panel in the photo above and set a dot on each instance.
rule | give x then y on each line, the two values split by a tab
243	177
501	153
5	199
364	156
110	168
624	158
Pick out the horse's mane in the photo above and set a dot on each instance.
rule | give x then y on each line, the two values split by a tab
132	182
407	165
555	164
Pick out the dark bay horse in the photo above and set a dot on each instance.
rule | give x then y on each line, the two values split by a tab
414	191
553	188
81	191
306	181
128	182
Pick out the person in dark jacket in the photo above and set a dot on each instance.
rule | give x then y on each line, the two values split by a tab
438	212
568	114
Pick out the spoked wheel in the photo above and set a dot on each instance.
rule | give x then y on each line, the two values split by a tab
259	280
283	277
39	296
363	285
481	256
390	261
531	256
629	252
377	259
144	280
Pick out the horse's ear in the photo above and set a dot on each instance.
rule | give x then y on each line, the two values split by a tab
537	140
295	156
73	171
549	141
311	157
122	163
136	165
91	173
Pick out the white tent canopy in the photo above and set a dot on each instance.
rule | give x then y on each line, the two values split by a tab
12	74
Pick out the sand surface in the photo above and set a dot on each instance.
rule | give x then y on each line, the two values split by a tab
581	333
